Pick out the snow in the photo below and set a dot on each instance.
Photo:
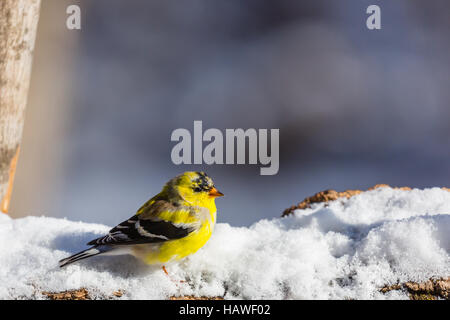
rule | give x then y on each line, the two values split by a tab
347	249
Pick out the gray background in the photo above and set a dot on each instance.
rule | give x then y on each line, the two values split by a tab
354	107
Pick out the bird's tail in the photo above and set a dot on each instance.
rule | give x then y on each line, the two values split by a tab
80	255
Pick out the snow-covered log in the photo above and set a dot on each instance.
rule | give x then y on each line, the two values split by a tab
351	248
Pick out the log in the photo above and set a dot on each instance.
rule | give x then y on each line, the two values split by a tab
18	24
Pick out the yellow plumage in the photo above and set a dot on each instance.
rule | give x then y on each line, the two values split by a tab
170	226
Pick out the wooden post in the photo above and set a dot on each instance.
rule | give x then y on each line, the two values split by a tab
18	24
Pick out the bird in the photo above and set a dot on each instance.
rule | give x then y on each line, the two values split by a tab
172	225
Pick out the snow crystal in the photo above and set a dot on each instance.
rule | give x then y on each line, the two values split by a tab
347	249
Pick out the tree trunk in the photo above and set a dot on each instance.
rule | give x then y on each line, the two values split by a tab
18	24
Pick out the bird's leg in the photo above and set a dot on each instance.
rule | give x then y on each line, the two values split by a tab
174	281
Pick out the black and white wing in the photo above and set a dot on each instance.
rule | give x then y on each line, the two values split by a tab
139	231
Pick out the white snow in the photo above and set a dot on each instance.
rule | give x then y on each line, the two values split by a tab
348	249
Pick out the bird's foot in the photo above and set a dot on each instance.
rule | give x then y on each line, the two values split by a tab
177	282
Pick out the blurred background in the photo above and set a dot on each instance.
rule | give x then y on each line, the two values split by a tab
354	107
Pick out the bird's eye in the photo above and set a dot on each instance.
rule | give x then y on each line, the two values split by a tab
197	189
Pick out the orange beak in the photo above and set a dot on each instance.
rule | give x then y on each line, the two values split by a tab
215	193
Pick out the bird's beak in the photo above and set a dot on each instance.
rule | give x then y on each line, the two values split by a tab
215	193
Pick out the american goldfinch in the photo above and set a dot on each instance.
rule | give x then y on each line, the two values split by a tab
170	226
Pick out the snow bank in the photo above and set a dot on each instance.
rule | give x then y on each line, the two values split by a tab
346	250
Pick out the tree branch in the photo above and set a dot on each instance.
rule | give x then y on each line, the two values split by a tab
18	24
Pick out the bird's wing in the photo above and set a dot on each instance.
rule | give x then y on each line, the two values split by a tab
159	221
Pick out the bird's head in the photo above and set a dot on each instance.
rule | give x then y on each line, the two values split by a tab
195	188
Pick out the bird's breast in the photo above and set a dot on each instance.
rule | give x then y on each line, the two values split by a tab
181	248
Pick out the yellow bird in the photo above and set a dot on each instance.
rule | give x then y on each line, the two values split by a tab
170	226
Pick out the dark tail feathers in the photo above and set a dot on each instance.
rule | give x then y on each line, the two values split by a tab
80	255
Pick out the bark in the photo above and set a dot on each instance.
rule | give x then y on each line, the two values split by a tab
18	24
